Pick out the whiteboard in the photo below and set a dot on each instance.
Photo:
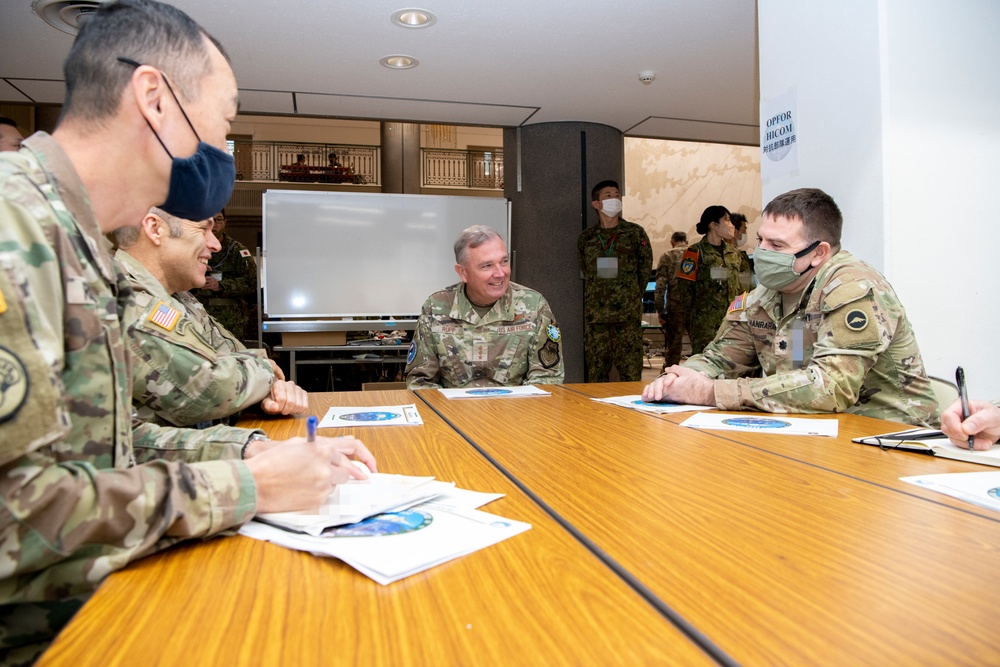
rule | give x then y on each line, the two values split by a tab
349	254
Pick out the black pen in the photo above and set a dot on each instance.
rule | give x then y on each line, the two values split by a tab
963	395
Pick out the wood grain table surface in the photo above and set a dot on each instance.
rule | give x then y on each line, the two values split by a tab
539	598
780	549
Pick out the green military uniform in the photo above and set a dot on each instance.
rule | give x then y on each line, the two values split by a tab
75	504
515	342
843	345
668	305
186	369
234	306
708	279
616	263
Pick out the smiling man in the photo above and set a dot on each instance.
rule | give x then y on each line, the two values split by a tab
826	330
188	370
484	331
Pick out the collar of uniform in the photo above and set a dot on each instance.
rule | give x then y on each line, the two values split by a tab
140	277
502	310
61	172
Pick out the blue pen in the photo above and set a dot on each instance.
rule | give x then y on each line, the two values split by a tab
963	395
311	425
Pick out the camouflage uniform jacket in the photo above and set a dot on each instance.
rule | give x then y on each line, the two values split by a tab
235	302
517	342
75	504
858	351
703	295
667	298
186	369
616	299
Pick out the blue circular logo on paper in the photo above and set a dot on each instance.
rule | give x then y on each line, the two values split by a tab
412	354
761	423
994	492
374	416
390	523
488	392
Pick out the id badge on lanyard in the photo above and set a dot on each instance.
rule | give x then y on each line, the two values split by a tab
798	347
607	267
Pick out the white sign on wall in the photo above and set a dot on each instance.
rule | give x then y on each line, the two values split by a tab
779	142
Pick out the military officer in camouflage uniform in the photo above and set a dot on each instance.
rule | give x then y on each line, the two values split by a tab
825	328
616	259
708	277
484	331
187	370
230	293
667	300
83	491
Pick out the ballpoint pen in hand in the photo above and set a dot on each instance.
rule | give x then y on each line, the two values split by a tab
311	425
963	395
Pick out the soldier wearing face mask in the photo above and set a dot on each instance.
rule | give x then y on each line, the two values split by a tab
739	239
826	330
616	259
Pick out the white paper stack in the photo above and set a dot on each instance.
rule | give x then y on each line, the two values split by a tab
635	402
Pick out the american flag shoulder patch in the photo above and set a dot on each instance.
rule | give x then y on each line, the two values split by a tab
739	303
164	316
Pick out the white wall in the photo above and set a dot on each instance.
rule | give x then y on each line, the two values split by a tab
899	102
942	146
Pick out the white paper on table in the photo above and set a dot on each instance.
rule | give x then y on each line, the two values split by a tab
978	488
383	415
355	500
459	500
777	424
388	558
635	402
494	392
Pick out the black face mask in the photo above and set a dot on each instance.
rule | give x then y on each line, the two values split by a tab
200	185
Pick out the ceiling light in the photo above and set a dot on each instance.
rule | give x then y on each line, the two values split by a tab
65	15
413	18
399	62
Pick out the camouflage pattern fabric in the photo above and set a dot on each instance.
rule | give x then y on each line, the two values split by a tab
186	369
76	505
607	344
704	296
843	345
667	299
517	342
234	306
614	301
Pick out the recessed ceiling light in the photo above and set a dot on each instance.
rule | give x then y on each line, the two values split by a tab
413	18
399	62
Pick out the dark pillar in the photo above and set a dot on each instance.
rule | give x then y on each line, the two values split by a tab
549	170
401	158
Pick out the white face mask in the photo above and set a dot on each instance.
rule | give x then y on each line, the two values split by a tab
611	207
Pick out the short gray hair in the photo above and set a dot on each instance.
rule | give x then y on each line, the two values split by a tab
473	237
126	237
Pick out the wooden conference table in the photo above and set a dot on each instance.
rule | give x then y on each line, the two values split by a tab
690	547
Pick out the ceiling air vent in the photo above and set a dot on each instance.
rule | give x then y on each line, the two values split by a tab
65	15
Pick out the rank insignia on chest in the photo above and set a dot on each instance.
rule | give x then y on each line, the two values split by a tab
552	331
244	253
164	316
689	265
739	303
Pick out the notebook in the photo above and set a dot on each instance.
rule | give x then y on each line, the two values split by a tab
929	441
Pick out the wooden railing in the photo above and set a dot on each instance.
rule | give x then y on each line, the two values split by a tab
320	163
461	169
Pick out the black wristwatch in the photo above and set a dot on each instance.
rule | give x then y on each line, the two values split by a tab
253	438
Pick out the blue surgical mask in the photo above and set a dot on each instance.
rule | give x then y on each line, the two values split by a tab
200	185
